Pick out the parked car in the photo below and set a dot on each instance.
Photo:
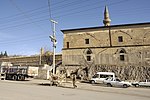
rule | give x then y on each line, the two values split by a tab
145	83
116	83
100	76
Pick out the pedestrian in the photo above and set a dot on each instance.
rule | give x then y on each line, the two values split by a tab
74	80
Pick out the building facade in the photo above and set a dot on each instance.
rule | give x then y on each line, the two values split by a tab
117	44
109	45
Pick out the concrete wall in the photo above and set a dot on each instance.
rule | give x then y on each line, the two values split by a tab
44	72
33	71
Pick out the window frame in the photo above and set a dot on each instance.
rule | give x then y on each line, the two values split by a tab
68	44
87	41
120	38
88	58
122	57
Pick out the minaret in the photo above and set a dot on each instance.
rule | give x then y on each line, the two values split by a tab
106	20
41	54
42	51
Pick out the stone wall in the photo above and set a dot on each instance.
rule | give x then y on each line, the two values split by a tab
137	73
31	60
105	48
109	56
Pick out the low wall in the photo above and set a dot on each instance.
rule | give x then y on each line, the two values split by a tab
137	73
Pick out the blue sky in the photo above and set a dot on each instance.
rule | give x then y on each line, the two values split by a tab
25	24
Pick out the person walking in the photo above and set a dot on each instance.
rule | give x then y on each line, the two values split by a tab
74	80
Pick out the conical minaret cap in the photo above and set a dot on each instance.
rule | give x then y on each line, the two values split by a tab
106	20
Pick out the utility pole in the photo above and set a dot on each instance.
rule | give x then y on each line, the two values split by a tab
53	39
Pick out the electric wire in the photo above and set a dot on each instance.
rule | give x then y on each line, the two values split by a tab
59	16
50	15
25	15
81	12
40	20
97	7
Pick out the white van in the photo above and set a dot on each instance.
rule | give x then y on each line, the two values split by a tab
100	76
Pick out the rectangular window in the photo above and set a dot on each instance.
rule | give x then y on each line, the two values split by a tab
96	76
87	41
120	39
67	44
105	76
121	57
88	58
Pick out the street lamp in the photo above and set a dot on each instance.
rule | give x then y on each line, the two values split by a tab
53	39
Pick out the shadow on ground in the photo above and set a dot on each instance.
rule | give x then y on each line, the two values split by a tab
47	84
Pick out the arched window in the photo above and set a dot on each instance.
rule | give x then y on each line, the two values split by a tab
88	54
122	51
122	55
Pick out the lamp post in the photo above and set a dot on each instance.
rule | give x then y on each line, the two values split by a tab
53	39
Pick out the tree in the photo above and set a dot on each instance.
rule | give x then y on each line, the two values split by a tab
47	58
5	54
1	55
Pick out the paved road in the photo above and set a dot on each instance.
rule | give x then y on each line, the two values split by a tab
30	90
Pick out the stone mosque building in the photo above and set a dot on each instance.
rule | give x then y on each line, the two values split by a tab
123	49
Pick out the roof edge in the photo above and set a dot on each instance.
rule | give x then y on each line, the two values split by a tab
105	26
